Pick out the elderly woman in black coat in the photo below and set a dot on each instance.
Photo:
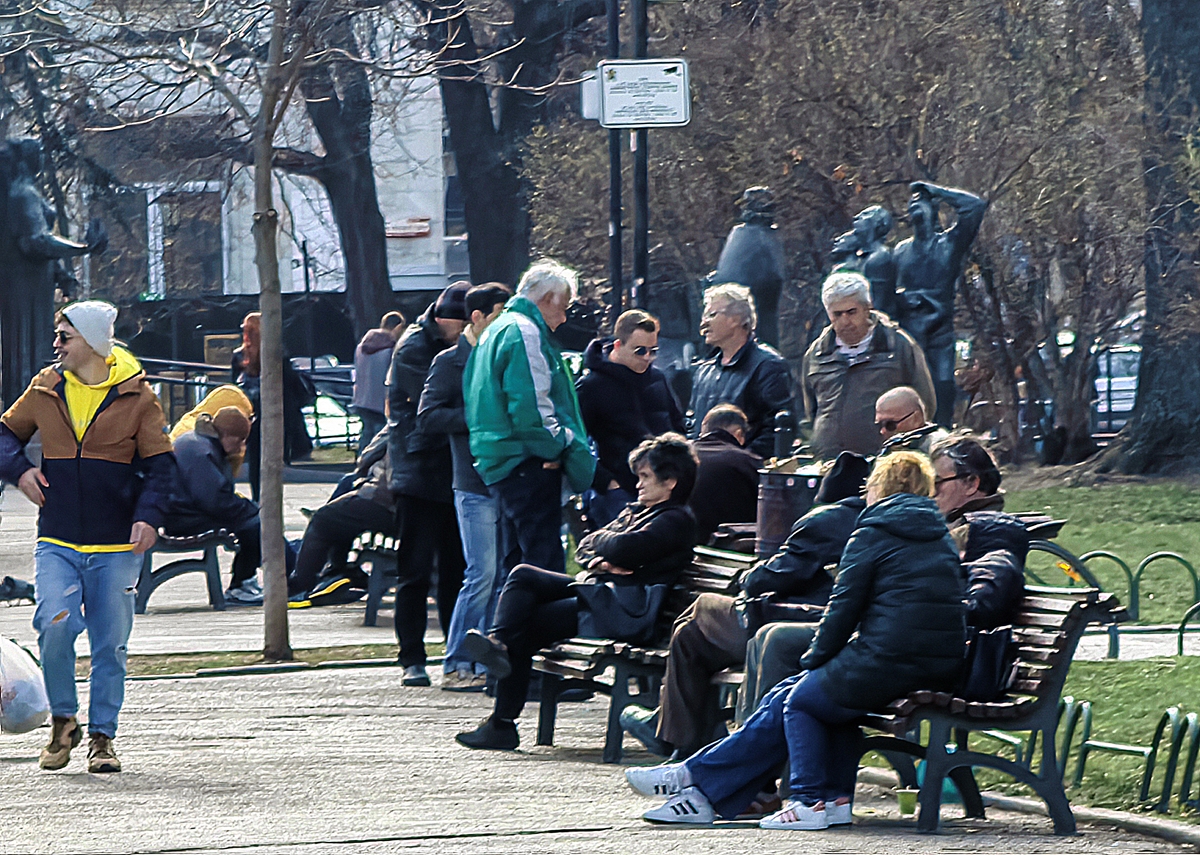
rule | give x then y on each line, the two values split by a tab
895	623
648	544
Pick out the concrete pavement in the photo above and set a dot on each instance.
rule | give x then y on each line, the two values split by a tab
348	761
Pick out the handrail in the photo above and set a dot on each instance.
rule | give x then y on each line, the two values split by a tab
1178	727
1135	594
1187	616
1131	603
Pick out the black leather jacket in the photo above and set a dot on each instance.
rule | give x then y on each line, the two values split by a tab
756	380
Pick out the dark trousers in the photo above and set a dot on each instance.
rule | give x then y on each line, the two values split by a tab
331	533
249	536
708	637
536	608
530	505
428	538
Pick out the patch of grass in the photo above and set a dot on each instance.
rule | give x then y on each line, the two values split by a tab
1128	698
1131	521
188	663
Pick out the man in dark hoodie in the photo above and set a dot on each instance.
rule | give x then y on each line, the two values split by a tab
422	474
372	358
711	634
624	400
204	498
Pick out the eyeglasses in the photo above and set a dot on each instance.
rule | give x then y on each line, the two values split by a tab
61	337
937	482
642	350
891	424
711	313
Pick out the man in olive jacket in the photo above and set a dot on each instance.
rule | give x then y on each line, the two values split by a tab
858	357
523	417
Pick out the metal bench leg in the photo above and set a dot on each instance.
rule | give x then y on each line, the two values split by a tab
936	766
964	779
548	708
614	736
145	583
378	583
212	575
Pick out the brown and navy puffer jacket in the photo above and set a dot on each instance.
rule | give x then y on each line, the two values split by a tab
119	473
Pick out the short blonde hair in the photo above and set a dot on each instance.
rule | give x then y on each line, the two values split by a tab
902	472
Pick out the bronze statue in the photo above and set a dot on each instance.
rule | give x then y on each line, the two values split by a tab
31	256
862	250
928	265
753	256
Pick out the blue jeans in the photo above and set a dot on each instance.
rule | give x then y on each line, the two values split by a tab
77	591
796	720
479	528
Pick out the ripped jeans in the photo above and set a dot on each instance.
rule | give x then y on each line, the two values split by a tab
77	591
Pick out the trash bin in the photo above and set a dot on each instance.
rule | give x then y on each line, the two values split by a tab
785	493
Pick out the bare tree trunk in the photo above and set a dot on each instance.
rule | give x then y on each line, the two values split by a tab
276	645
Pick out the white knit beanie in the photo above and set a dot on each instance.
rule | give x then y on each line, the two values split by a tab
94	319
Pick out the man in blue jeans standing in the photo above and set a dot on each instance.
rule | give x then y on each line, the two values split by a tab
102	430
440	411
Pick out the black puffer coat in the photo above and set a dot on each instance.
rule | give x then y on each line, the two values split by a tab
655	543
994	561
620	409
421	464
896	621
797	570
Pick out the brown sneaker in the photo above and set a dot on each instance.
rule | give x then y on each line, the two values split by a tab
64	736
101	757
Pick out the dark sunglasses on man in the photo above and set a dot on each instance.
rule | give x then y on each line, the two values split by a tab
891	424
642	350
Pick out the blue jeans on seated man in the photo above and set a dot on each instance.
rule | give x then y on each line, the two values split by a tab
798	720
77	591
479	528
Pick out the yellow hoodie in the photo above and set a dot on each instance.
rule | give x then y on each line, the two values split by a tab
83	400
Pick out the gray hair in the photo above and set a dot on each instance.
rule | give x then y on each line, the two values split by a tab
548	277
740	300
845	285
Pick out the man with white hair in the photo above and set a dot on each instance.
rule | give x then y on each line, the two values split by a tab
744	372
858	357
103	489
526	430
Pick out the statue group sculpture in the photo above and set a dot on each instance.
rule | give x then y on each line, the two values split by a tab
914	282
32	257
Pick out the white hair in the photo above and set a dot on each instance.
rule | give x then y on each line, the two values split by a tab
548	277
740	300
845	285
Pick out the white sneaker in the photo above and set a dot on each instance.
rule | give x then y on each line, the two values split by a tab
687	806
796	816
839	814
661	781
253	585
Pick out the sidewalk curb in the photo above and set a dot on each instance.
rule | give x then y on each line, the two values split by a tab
270	668
1166	829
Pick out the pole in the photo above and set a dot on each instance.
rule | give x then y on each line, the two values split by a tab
641	172
312	362
615	254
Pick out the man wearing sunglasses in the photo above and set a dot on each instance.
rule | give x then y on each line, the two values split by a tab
624	400
902	422
102	489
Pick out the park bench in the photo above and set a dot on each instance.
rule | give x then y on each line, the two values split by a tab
209	564
377	550
1047	630
607	666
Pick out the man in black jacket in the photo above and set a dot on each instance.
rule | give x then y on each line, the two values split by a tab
727	481
422	472
744	372
441	412
624	399
711	635
204	498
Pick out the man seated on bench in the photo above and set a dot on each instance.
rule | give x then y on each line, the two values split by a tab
896	622
204	499
650	543
711	634
368	506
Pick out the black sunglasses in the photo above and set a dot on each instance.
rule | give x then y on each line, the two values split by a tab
937	482
642	350
891	424
61	337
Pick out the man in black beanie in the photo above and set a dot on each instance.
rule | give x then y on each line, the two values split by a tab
422	474
711	635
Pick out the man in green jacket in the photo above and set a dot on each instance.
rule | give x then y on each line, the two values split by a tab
524	421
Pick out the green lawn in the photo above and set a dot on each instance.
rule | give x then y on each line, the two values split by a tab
1127	698
1131	521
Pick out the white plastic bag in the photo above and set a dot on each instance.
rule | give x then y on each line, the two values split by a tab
23	701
